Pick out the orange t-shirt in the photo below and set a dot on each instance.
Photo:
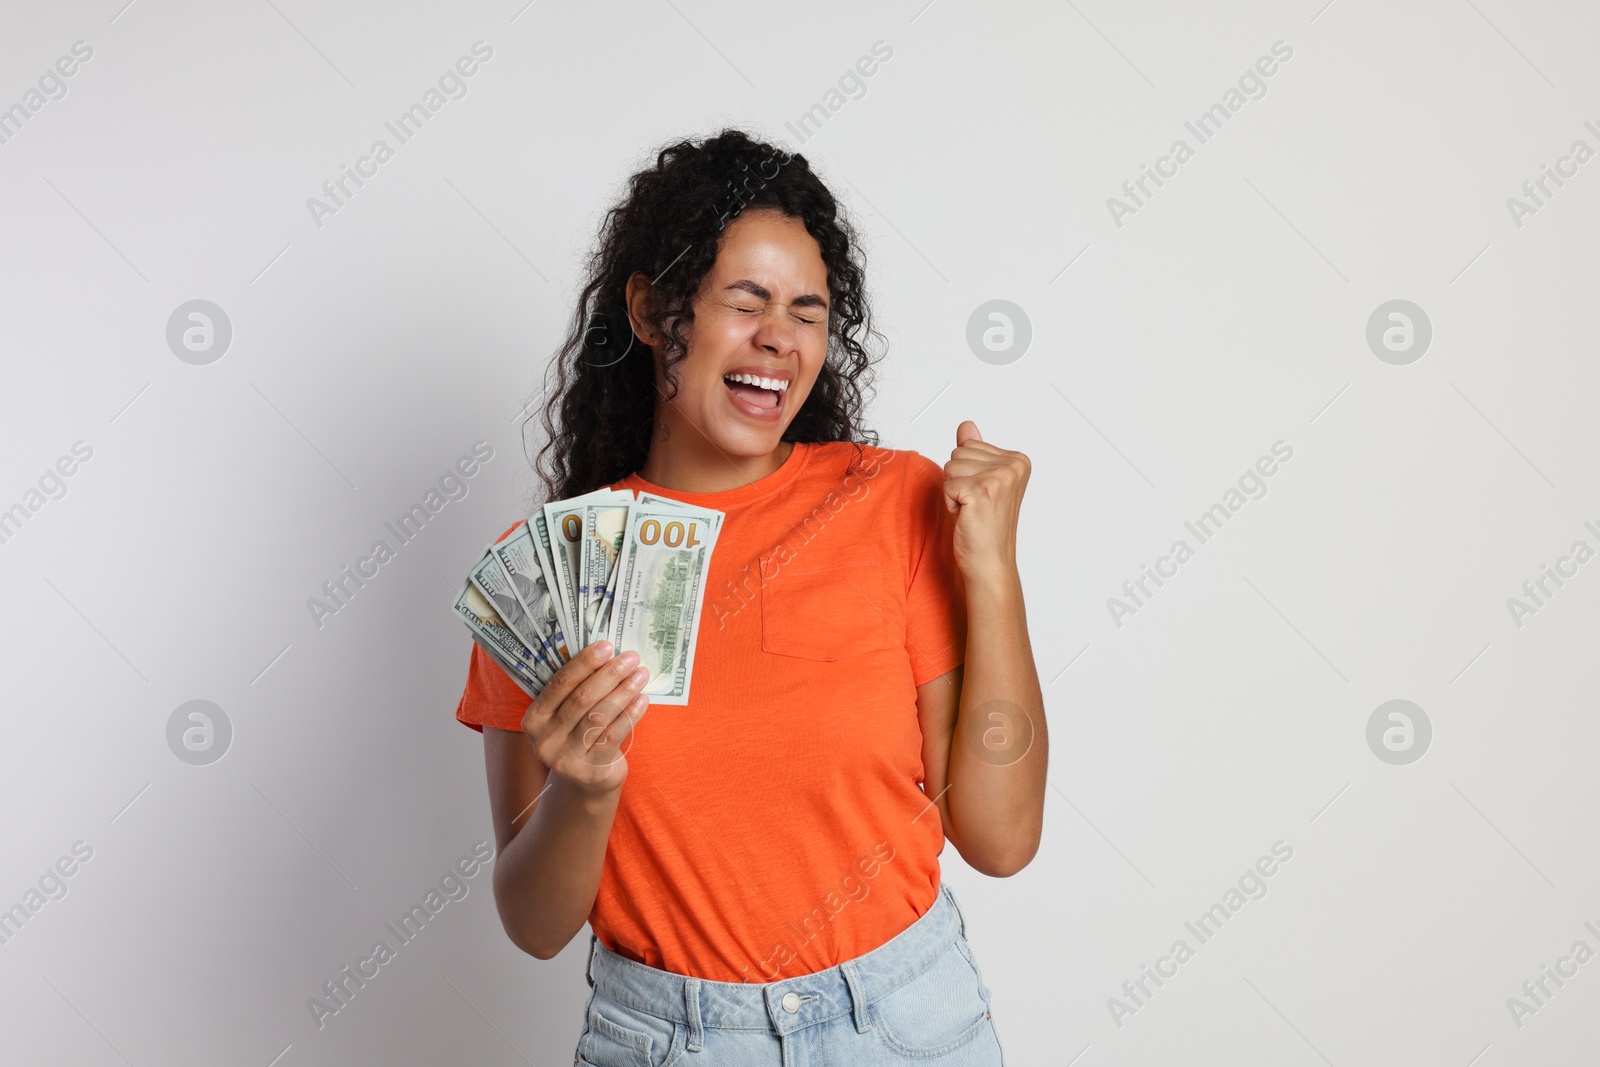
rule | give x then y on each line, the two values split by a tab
775	825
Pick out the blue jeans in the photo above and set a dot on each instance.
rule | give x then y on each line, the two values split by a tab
919	998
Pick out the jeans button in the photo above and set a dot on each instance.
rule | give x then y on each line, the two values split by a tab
791	1002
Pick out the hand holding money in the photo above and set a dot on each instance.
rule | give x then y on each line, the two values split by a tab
600	567
579	721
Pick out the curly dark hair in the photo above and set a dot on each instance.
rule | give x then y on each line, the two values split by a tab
599	419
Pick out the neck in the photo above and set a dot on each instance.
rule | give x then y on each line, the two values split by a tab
682	459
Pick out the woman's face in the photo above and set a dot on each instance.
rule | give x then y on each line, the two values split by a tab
758	340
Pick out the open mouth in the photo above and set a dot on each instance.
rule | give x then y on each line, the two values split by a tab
755	394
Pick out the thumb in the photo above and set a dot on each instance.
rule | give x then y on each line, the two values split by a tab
967	431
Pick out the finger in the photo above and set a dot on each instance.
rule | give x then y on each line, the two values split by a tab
613	718
981	448
961	490
572	673
967	431
970	454
622	669
966	468
951	504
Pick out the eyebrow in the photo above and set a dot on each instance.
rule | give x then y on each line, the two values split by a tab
760	291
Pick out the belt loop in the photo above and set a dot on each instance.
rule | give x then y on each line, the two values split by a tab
588	970
944	887
691	1005
858	995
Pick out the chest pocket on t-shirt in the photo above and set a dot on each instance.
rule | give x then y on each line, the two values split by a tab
829	613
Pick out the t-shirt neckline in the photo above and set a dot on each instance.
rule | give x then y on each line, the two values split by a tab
798	459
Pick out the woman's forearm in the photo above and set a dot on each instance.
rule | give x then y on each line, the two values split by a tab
998	758
546	877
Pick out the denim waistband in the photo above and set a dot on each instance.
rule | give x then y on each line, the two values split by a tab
788	1005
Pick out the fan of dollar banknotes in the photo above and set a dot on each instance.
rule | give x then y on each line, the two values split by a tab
605	566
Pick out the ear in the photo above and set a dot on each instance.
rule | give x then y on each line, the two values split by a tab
967	431
638	299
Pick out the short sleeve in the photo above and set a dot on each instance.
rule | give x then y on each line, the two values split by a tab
936	609
491	698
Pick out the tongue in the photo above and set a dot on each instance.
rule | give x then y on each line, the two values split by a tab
755	394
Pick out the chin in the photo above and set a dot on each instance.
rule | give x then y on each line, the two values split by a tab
743	442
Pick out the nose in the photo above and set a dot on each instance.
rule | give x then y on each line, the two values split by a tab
774	331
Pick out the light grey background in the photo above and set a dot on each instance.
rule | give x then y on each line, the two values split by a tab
1168	353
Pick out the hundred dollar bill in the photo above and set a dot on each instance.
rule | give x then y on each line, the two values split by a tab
667	501
661	585
565	527
564	519
527	685
512	655
603	528
518	556
541	545
491	580
608	597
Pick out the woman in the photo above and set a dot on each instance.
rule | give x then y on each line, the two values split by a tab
760	867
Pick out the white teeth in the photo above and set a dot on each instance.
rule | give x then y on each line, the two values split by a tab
776	385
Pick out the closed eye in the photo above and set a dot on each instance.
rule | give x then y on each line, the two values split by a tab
761	310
